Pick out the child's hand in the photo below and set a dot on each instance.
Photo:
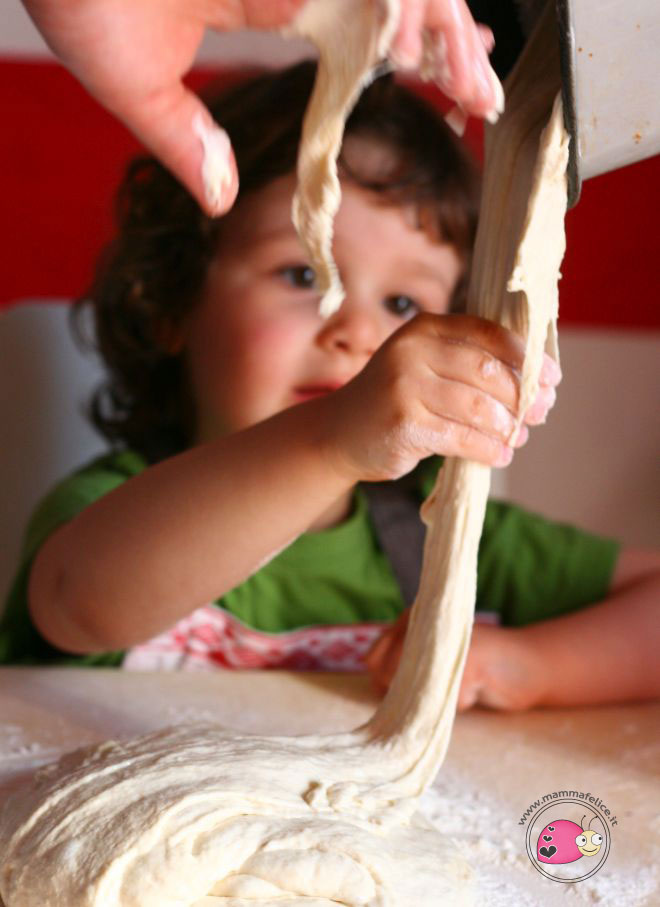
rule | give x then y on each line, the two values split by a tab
442	384
500	671
383	658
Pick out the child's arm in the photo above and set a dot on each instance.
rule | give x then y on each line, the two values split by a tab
186	531
608	652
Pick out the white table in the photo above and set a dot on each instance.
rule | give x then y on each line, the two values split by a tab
497	764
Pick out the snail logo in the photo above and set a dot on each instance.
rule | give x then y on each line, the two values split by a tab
564	850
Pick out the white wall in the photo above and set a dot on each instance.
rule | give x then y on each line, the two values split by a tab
597	461
44	383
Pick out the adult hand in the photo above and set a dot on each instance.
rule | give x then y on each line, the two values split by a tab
131	55
442	37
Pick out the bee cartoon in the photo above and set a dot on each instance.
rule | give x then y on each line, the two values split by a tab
589	842
563	841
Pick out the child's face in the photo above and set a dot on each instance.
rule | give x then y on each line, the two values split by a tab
256	344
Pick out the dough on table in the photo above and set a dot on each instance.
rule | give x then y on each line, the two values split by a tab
198	815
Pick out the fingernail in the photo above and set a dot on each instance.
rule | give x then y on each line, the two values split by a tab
505	456
487	38
216	172
456	119
499	90
443	73
538	411
550	371
522	437
493	115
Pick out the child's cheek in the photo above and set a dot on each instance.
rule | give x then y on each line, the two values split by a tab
270	364
273	347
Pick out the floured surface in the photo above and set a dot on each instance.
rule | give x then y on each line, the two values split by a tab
496	765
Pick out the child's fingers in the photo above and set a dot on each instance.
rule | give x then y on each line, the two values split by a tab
550	372
472	330
477	369
383	658
495	339
486	356
458	439
543	403
522	437
387	668
458	402
379	661
376	654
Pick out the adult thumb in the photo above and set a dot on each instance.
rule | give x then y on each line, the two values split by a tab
179	130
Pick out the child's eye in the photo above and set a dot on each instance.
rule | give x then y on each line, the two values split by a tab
402	306
301	276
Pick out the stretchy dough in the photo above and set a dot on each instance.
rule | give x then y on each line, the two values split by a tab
198	816
352	39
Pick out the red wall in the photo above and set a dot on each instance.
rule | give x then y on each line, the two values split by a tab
61	157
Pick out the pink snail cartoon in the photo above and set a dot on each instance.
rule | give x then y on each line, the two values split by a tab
563	841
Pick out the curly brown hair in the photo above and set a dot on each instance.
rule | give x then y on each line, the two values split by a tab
152	274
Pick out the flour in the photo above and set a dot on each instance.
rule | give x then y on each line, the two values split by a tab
216	174
197	815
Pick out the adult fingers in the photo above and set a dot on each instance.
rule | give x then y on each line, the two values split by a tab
487	37
131	56
406	50
458	50
179	130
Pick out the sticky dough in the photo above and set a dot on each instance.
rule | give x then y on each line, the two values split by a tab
352	39
196	816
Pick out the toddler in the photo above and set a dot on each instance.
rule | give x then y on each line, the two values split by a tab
259	453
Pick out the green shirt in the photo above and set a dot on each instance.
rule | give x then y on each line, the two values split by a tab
530	569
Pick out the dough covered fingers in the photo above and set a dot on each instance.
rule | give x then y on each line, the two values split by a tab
488	358
444	385
442	34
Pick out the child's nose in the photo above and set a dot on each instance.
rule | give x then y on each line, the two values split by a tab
352	329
